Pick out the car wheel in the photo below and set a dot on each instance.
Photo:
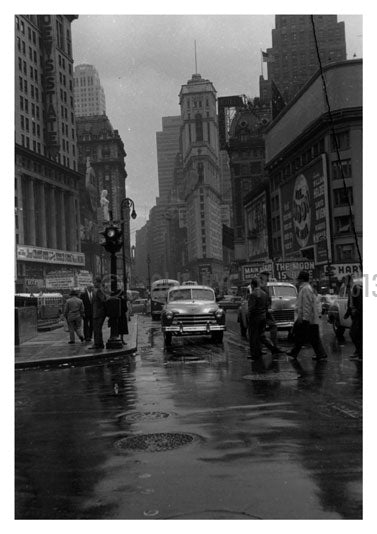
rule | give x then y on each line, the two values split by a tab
167	339
217	337
338	330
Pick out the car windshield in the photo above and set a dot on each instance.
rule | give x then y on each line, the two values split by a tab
191	294
203	294
284	291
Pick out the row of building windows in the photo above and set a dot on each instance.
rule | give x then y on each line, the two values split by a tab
24	106
21	47
197	103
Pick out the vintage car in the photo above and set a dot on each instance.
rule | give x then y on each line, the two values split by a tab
192	310
283	297
338	308
230	302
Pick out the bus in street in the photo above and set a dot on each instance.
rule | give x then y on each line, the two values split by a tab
159	291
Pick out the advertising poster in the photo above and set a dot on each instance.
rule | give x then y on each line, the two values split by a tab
256	220
305	212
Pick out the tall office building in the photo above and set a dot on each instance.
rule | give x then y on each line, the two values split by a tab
201	174
292	59
167	148
47	216
89	93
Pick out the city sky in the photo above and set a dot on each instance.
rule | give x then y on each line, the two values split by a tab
143	60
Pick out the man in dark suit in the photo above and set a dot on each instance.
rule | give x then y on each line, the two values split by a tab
99	313
258	305
87	298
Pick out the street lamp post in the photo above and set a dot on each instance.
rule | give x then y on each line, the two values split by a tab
149	273
126	203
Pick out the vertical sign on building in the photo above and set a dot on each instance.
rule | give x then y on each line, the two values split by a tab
305	212
49	71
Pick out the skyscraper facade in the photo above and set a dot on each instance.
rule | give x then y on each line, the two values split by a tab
201	173
167	148
47	215
89	93
292	59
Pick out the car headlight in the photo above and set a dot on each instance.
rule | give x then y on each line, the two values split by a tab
169	315
219	312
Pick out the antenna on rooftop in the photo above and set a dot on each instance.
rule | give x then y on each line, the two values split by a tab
196	63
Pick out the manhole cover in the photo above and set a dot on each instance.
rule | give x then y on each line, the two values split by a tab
264	377
156	442
146	416
215	514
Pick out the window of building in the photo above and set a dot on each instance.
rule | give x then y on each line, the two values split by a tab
345	252
342	224
342	196
344	169
342	139
22	120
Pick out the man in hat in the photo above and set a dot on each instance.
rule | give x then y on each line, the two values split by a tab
74	312
270	321
257	305
87	298
99	313
307	323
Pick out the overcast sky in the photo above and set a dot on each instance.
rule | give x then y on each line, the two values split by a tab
143	60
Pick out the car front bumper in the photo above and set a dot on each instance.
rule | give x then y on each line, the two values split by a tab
197	329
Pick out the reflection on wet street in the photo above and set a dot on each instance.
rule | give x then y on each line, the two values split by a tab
193	432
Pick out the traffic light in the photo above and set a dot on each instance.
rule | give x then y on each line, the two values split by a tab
113	239
330	270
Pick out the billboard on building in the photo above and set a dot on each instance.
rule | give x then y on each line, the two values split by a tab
305	213
256	223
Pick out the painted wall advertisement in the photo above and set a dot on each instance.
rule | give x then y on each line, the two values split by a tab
256	221
305	212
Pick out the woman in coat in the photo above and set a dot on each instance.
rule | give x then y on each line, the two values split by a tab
123	321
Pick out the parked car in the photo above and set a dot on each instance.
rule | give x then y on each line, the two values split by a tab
192	310
338	308
283	301
230	302
140	306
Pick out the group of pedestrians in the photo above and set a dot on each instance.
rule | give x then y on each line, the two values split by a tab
306	326
89	309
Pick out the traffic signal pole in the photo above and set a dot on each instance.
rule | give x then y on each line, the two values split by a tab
113	243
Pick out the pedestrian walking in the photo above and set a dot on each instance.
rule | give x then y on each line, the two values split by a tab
123	319
355	311
306	328
74	312
99	313
87	298
270	321
257	306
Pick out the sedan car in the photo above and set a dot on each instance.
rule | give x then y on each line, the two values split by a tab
283	297
338	308
230	302
140	306
192	310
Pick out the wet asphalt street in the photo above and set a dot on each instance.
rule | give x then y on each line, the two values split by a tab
195	432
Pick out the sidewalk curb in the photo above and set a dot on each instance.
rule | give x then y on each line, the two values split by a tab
56	362
103	354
